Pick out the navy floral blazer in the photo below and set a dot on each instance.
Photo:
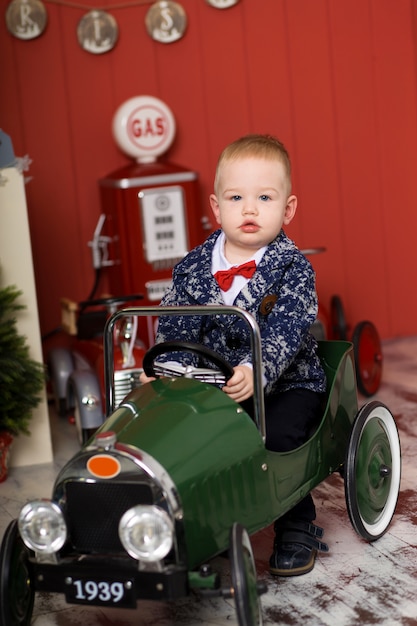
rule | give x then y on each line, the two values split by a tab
281	296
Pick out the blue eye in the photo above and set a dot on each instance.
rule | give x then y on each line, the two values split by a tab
236	197
264	197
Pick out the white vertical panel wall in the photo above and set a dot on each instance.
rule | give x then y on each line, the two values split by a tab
16	268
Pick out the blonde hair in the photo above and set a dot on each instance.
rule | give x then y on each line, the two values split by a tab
258	146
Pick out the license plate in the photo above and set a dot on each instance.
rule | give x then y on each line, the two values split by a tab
100	592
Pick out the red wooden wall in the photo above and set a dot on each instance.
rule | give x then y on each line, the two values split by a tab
334	79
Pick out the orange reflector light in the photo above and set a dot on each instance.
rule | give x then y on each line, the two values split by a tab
103	466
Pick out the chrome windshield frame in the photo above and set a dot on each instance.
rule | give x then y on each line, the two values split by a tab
157	311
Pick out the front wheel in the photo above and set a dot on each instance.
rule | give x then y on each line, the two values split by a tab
245	587
84	396
16	591
372	471
83	434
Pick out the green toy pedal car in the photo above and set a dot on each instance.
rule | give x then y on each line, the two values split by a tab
179	474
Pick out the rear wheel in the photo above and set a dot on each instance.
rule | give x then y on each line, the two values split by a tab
372	471
338	319
368	358
245	587
16	591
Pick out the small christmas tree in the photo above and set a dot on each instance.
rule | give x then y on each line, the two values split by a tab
21	378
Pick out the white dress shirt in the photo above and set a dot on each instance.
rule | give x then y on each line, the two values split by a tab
219	262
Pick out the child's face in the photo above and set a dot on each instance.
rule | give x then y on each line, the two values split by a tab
252	204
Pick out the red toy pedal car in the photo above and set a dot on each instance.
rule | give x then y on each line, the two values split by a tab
367	349
365	339
77	371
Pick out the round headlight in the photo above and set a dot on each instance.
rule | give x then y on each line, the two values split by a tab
146	533
42	526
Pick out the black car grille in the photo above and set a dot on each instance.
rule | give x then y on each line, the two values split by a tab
93	512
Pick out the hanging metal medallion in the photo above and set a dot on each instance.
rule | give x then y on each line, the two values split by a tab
26	19
97	32
166	21
222	4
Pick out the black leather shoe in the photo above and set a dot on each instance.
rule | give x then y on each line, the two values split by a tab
292	559
295	548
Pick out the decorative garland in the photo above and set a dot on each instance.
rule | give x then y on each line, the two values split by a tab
8	159
22	164
97	31
87	7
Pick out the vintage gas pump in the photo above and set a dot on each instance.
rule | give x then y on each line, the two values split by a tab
151	208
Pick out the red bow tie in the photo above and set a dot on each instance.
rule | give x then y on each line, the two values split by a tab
225	277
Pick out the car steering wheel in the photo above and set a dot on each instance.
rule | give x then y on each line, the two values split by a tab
183	346
111	300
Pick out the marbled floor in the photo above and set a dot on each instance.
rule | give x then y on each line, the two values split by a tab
355	583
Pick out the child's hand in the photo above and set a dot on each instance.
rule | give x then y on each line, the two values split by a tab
240	386
146	379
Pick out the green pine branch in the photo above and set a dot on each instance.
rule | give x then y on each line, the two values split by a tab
21	378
